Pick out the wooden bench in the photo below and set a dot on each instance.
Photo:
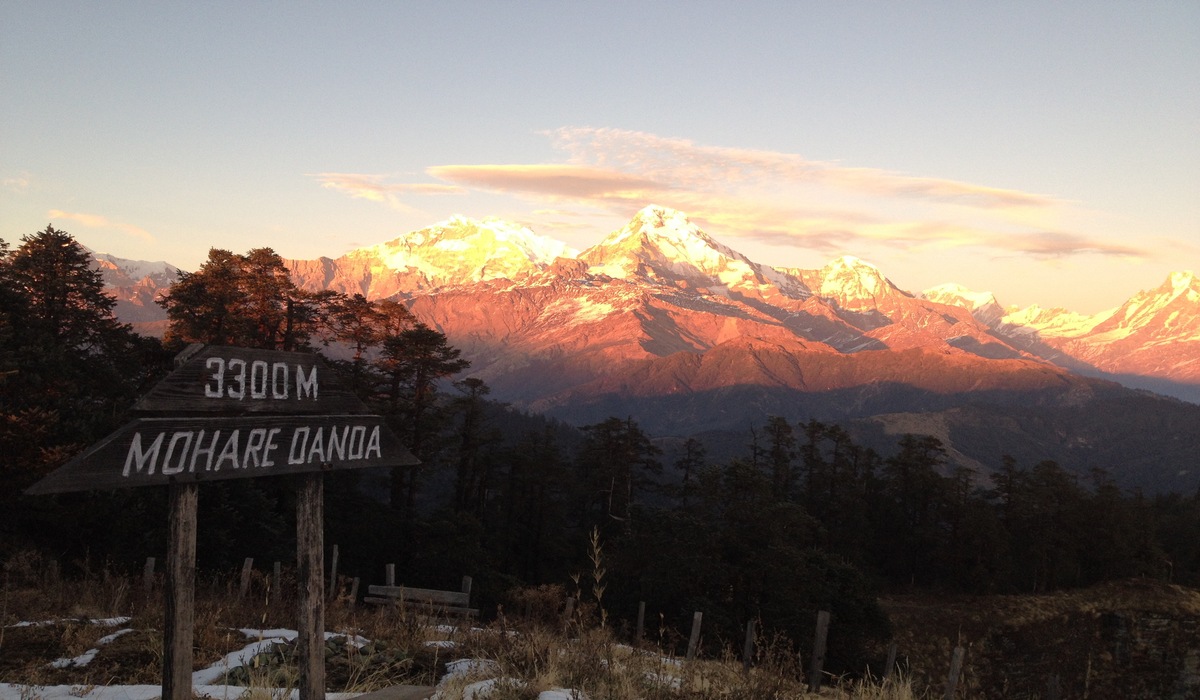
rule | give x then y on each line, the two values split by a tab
427	600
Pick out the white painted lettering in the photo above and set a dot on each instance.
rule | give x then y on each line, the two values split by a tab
138	458
208	453
240	377
215	390
358	435
299	436
306	386
259	374
317	448
271	447
176	437
229	452
279	384
254	445
337	444
373	444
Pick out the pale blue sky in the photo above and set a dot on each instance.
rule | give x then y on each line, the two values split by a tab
1048	152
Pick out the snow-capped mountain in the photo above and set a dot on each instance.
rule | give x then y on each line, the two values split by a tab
1152	338
982	305
661	246
453	253
660	285
135	284
662	322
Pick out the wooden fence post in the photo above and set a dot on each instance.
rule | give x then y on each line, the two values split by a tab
354	592
333	564
277	579
641	622
570	609
748	647
818	656
389	575
247	567
1053	691
148	575
694	640
890	665
310	554
956	662
180	593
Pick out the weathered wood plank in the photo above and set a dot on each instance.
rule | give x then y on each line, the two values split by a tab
436	609
818	655
421	595
956	664
237	381
310	556
748	646
155	451
179	593
694	639
247	570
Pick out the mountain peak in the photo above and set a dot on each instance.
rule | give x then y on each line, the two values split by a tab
1183	281
957	295
851	282
461	249
662	244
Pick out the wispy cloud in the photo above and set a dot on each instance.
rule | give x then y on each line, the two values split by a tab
771	197
569	182
98	221
378	188
688	164
18	183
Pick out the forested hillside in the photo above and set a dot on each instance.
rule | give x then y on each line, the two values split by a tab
802	518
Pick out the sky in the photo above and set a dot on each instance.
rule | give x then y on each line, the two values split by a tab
1046	152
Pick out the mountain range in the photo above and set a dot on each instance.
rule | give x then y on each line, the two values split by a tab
661	322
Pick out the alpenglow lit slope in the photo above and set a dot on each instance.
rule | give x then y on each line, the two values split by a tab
455	252
1153	336
661	322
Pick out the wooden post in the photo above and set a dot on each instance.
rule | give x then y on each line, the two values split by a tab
180	593
956	662
818	656
333	584
247	567
354	592
694	640
148	575
277	579
890	665
641	622
1053	691
748	647
310	554
389	575
570	610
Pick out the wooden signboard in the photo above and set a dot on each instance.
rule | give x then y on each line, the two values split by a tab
158	451
230	413
235	381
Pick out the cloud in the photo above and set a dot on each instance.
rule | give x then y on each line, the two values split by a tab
376	188
570	182
776	198
691	164
18	183
98	221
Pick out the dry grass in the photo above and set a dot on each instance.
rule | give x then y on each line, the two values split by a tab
534	651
